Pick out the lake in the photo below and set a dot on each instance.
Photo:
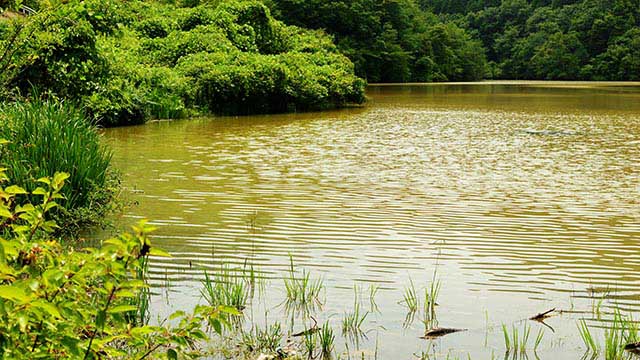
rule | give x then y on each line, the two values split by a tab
516	197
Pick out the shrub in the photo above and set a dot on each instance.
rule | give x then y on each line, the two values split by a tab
126	62
59	303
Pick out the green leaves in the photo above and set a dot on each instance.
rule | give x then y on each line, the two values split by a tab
15	190
13	293
122	308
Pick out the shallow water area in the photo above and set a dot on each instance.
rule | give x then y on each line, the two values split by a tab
518	197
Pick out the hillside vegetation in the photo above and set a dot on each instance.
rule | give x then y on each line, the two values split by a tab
126	62
447	40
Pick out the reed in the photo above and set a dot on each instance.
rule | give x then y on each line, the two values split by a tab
48	137
327	340
410	297
226	289
352	321
587	337
517	340
302	292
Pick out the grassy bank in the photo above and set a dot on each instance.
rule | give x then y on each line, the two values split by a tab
45	137
126	62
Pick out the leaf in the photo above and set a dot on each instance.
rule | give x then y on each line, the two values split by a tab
124	293
4	211
172	354
23	322
158	252
12	292
177	314
24	208
229	310
15	190
58	180
39	191
49	308
123	308
44	180
100	319
217	326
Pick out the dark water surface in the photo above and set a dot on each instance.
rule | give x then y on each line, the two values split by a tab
520	196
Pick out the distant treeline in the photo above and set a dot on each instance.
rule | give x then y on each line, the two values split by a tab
453	40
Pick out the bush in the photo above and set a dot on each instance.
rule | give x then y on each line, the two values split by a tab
65	304
124	63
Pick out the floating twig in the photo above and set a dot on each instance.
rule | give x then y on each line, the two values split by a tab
543	315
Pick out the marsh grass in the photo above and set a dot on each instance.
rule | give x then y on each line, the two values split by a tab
587	336
517	340
48	137
431	293
621	331
310	342
373	291
618	332
226	288
267	339
353	321
327	340
410	297
303	294
142	300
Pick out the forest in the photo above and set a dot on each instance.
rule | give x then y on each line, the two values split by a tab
462	40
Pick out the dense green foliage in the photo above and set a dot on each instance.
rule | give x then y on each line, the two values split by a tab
127	61
544	39
437	40
391	41
46	137
56	303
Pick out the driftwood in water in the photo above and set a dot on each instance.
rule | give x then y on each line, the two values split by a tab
308	331
437	332
542	316
633	347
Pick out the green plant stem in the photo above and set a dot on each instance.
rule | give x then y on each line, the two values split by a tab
106	307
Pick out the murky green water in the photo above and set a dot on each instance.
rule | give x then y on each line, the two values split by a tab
521	197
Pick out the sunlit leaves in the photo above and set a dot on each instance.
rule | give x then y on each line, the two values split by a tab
57	301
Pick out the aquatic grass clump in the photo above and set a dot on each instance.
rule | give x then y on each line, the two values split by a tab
226	289
352	321
262	340
518	340
618	333
410	297
302	292
429	304
327	339
622	331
